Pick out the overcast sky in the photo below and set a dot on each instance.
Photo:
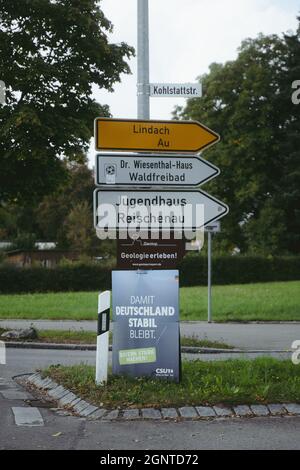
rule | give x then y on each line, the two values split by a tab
186	36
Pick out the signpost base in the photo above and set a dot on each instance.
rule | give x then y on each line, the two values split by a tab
102	338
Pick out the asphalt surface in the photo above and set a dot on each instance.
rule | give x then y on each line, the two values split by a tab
69	432
257	336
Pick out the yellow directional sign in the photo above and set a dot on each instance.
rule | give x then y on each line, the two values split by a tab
153	136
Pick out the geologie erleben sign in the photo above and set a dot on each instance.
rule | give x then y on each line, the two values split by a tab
150	253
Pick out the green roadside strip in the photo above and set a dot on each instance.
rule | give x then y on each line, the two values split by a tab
262	381
273	301
88	337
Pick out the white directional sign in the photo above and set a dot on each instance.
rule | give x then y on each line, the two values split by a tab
149	170
175	90
159	209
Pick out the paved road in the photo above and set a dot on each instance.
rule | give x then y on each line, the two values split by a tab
257	336
48	430
71	433
66	432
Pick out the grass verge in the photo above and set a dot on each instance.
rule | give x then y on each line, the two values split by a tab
88	337
273	301
263	380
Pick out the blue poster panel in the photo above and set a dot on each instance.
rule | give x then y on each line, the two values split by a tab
146	324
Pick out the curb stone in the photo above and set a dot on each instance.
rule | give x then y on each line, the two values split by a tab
188	412
260	410
151	413
169	413
277	409
67	400
206	411
81	406
292	408
112	415
184	349
222	412
242	410
98	414
131	414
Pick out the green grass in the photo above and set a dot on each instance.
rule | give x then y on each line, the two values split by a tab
277	301
263	380
273	301
88	337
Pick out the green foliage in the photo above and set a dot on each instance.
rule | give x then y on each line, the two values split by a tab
79	230
248	102
63	278
24	241
239	269
66	216
193	272
51	54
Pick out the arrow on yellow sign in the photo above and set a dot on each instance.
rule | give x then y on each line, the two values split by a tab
153	136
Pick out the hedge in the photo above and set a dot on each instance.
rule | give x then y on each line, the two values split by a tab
59	279
239	269
193	272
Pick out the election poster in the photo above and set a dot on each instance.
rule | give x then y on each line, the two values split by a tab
146	340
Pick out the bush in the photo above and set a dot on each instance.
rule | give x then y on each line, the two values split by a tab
238	269
60	279
193	272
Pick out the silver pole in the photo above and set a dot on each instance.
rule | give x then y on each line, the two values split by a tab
209	319
143	106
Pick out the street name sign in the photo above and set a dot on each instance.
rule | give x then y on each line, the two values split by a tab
175	90
214	227
149	170
152	136
159	209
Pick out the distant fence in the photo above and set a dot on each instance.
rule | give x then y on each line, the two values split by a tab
193	272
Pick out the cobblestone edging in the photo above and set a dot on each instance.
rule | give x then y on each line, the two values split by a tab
69	401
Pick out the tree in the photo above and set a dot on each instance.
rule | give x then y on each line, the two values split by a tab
248	102
78	227
54	209
66	216
51	53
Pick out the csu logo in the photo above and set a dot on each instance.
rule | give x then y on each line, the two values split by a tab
296	353
164	372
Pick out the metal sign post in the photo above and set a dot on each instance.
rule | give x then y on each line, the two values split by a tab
145	154
143	106
214	227
209	278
